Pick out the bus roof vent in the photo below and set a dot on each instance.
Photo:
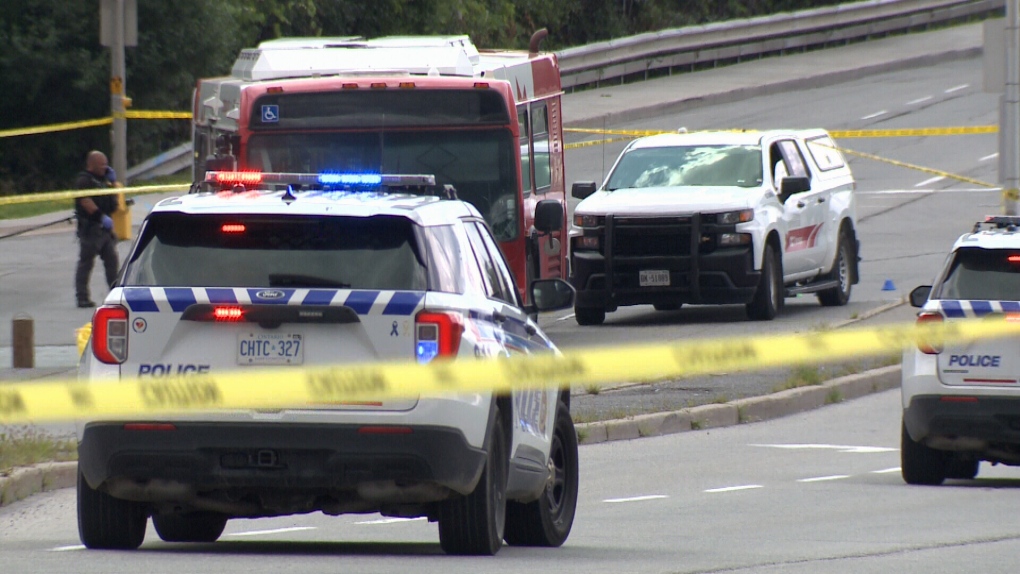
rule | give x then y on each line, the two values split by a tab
303	57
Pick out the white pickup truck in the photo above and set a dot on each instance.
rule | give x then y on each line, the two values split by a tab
716	218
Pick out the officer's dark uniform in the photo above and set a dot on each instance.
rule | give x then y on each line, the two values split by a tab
93	239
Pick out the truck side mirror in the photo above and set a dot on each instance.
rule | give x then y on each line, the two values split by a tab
549	216
794	184
583	189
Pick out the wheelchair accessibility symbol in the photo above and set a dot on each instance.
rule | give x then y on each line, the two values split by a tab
270	114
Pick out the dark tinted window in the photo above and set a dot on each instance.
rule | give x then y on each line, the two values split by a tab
277	251
380	108
983	275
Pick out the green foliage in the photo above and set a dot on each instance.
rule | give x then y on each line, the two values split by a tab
55	71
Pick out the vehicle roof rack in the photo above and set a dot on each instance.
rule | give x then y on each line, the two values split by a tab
1007	222
243	181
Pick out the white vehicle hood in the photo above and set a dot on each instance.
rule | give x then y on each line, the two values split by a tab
691	199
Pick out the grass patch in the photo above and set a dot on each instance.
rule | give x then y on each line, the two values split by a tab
801	376
833	397
696	424
721	399
26	445
582	435
593	388
741	415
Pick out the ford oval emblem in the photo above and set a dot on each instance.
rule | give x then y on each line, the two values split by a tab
270	294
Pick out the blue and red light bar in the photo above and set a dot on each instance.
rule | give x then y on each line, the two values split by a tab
252	178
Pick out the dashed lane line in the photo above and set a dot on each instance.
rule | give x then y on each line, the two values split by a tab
68	548
636	498
919	100
989	157
734	488
874	115
930	181
886	470
272	531
824	478
957	88
392	520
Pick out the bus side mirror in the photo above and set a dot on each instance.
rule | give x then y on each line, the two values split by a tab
549	216
583	189
551	295
919	296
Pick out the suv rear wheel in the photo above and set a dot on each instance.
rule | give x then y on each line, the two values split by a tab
589	316
919	463
473	524
106	522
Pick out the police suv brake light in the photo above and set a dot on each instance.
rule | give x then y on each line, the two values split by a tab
110	334
931	346
228	314
437	334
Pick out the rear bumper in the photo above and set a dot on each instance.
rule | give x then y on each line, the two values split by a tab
231	456
988	419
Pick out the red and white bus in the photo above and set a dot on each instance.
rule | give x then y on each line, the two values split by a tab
489	123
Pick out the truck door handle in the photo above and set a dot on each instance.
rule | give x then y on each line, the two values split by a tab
821	200
498	317
800	204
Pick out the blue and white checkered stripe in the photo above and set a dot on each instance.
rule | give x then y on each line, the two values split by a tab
364	302
963	309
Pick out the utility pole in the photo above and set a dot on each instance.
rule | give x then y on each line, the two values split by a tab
118	28
1009	122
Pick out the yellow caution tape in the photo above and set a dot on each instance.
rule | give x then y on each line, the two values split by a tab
577	145
131	115
293	387
74	194
886	133
920	168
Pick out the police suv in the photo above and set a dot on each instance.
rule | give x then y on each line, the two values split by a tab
961	403
716	218
279	271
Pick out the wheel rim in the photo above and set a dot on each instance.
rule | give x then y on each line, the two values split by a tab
844	271
774	281
556	491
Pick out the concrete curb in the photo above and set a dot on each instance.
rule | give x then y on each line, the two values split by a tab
24	482
749	410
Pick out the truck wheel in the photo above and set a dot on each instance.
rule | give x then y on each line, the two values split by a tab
547	521
920	464
473	524
105	522
839	296
768	299
192	527
589	316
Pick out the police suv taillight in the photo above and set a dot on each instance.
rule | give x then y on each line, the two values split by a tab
437	334
110	334
931	345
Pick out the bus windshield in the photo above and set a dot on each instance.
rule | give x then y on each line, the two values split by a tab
479	163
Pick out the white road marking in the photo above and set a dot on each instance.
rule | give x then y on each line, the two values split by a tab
990	156
957	88
839	447
825	478
636	498
565	317
874	115
735	488
886	470
919	100
273	531
392	520
930	181
68	548
916	191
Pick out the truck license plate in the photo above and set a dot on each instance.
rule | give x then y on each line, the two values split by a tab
270	349
653	278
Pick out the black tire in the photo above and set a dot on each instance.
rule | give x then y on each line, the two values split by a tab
192	527
962	468
920	464
589	316
109	523
667	306
474	524
547	521
768	299
841	271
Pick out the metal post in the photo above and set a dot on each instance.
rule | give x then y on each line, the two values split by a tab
23	342
1010	113
117	86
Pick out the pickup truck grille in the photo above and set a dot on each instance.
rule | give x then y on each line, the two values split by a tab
651	237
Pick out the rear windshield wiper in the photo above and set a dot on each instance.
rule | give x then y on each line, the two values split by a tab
294	280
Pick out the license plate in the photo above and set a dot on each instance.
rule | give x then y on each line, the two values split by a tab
270	349
653	278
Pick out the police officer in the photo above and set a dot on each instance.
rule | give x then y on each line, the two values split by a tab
95	226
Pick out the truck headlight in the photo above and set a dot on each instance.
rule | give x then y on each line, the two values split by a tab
589	220
731	217
731	239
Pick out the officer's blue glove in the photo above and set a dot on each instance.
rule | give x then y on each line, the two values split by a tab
107	222
111	176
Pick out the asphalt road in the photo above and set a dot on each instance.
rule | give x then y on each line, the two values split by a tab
817	492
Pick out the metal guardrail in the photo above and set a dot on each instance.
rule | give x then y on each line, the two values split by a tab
687	48
635	57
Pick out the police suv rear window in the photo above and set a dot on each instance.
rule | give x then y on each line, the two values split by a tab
378	252
982	275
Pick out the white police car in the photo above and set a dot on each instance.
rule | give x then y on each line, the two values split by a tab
961	403
346	269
